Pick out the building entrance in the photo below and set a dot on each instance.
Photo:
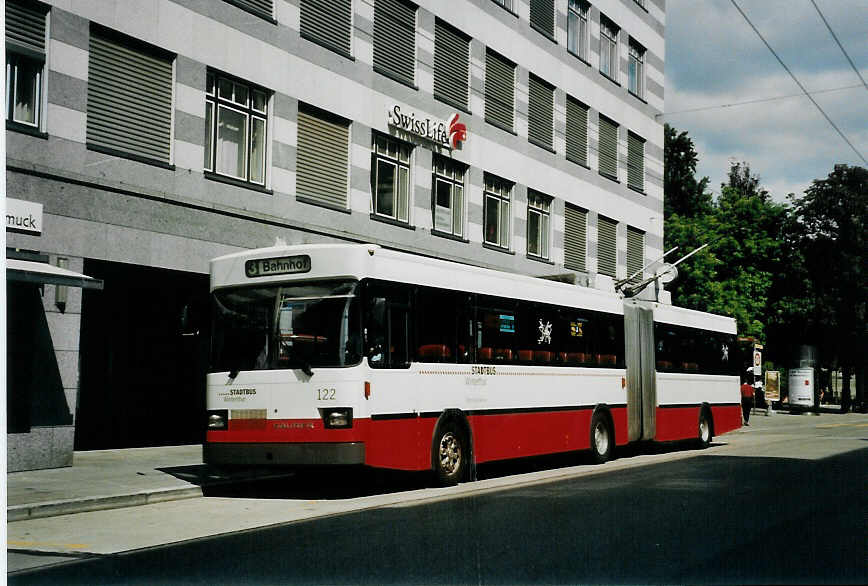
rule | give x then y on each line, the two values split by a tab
144	346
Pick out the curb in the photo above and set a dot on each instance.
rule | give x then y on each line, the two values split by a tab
98	503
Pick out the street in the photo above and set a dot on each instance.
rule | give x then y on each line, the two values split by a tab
782	501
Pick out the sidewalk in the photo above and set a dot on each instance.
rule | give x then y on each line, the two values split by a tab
107	479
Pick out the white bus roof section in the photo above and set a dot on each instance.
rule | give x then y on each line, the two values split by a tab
359	261
681	316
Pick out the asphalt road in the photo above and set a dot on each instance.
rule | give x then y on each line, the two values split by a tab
786	503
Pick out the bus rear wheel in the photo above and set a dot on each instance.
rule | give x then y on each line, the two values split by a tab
450	455
704	438
601	439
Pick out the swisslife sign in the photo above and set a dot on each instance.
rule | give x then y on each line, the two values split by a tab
449	133
24	217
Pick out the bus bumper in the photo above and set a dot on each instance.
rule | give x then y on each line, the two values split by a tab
284	454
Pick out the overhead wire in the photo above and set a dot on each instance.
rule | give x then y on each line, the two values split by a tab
840	46
798	83
757	100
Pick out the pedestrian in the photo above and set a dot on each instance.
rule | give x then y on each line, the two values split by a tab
746	399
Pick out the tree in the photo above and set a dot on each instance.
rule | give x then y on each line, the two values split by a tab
734	274
685	196
828	229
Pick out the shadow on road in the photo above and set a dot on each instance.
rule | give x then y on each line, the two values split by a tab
338	483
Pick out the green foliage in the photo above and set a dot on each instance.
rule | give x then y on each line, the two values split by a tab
734	274
685	195
825	289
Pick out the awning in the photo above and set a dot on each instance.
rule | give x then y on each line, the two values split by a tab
28	271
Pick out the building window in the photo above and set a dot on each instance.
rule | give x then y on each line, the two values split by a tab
448	196
538	223
636	70
608	48
25	63
607	246
328	23
451	65
635	162
496	212
505	3
577	132
540	123
129	97
577	29
23	89
608	153
635	253
235	128
575	238
542	16
323	164
391	178
499	91
395	40
262	8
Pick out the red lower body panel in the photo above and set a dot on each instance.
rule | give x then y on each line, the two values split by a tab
726	418
680	423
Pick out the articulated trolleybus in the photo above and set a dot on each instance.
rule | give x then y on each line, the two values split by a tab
354	354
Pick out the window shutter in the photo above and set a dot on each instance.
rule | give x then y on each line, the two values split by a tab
635	252
263	8
608	148
323	159
499	90
25	27
328	22
635	162
129	99
540	112
451	65
607	247
575	238
577	132
542	16
395	39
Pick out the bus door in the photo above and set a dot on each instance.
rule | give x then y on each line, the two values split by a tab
641	379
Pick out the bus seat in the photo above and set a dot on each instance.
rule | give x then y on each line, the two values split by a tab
434	352
576	357
525	355
486	353
503	354
664	365
691	366
606	359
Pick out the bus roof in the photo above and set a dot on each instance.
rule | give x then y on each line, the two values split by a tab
285	264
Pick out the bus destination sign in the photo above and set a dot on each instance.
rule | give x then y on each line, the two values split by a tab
284	265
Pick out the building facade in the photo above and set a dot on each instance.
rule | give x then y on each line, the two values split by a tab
520	135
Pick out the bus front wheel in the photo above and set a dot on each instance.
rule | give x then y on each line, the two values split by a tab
601	439
450	456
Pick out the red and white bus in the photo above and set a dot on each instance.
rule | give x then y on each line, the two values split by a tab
355	354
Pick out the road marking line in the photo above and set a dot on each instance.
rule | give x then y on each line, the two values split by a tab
828	425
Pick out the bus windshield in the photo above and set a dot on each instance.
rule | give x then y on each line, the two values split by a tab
287	326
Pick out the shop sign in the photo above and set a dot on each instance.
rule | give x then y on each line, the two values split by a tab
24	217
450	133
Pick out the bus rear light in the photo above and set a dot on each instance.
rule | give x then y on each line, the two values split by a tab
367	390
337	418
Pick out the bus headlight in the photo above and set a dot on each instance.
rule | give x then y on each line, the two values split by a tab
218	419
337	418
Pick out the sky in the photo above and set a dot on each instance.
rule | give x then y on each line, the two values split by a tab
714	58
